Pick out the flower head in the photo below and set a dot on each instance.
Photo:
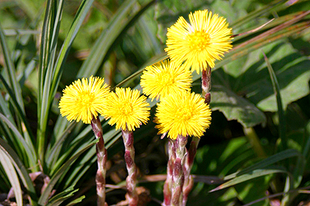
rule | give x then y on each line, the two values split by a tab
200	42
83	99
126	108
183	113
164	78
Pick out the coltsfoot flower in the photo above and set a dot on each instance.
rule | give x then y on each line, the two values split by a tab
200	42
82	100
164	78
183	113
126	108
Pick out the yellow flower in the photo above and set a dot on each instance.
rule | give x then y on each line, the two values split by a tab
183	113
126	108
164	78
83	100
200	42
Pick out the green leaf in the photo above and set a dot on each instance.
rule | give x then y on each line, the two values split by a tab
49	39
44	197
28	148
265	163
250	175
10	70
61	197
76	24
11	173
292	74
252	190
235	107
276	88
22	171
77	200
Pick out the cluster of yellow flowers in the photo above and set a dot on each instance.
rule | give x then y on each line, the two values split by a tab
191	47
83	100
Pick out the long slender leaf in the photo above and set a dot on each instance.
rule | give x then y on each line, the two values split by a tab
11	173
281	116
55	150
22	171
28	148
266	162
44	197
76	25
245	177
4	108
23	118
47	70
78	200
10	69
274	5
61	197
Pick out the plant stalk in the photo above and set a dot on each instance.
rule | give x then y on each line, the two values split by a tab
101	161
169	179
178	174
131	167
206	84
188	164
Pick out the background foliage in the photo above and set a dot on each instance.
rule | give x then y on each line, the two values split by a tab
258	143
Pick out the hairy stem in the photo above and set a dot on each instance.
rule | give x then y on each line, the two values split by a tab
206	84
131	167
101	161
178	174
188	164
169	180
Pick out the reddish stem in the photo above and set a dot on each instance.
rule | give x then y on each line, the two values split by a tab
188	179
101	162
206	84
131	167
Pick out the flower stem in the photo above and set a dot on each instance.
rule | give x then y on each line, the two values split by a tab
131	167
206	84
169	180
101	161
188	179
178	174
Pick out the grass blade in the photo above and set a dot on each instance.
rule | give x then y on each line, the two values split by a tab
47	70
259	12
266	162
62	196
76	25
22	117
44	197
281	116
28	148
10	70
22	171
11	174
248	176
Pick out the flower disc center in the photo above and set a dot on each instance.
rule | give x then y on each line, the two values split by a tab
167	79
184	114
86	99
198	40
126	109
